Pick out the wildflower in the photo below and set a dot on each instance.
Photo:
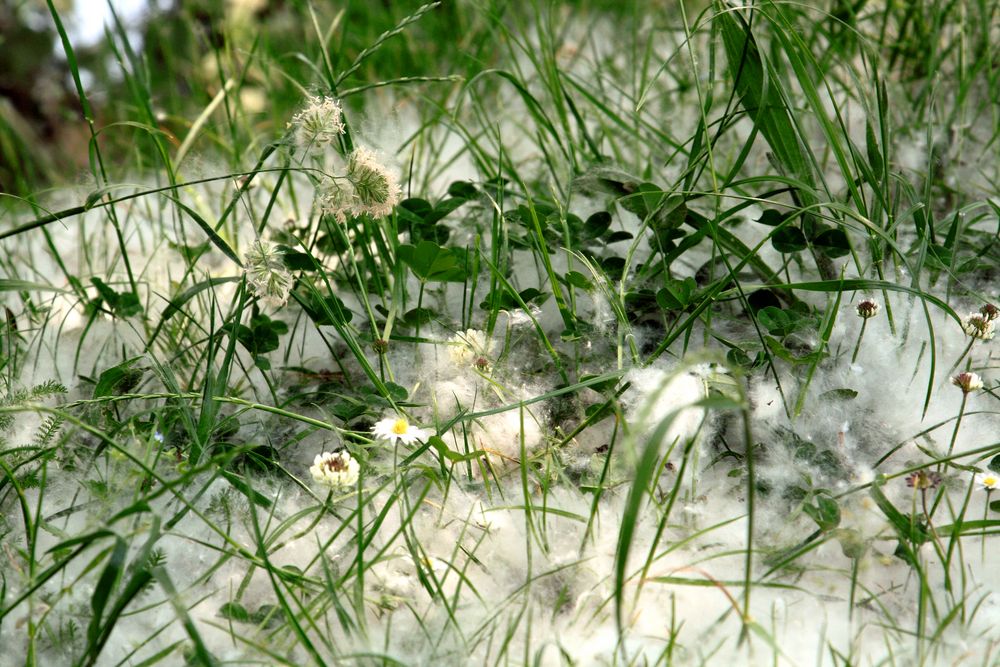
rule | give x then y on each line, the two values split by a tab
158	437
399	429
867	308
978	325
267	275
375	190
990	481
380	345
318	124
990	312
923	479
967	382
336	197
335	469
469	347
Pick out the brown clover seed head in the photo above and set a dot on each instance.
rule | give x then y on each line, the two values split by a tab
923	479
336	464
481	364
990	312
967	382
380	345
867	308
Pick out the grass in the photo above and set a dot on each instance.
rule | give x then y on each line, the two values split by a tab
617	289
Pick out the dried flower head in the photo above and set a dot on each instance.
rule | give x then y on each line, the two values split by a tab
467	347
923	479
375	190
318	124
989	481
335	469
967	382
978	325
397	428
990	312
380	345
267	275
867	308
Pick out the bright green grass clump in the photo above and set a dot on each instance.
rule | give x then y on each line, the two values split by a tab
490	333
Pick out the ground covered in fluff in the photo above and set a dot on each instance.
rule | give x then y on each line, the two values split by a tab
672	351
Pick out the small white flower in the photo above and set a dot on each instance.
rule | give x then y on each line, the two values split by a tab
393	429
335	469
375	189
968	382
990	481
318	124
267	275
469	347
979	326
867	308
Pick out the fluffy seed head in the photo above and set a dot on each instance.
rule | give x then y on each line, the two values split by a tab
266	274
318	124
375	190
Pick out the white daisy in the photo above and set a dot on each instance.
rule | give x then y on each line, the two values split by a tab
990	481
393	429
335	469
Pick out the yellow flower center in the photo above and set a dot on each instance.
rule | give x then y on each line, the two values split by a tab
990	481
400	427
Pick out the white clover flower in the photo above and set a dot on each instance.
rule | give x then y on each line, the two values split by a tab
267	275
867	308
375	189
979	326
393	429
989	481
469	348
318	124
336	469
967	382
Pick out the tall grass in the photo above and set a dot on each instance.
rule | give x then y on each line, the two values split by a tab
667	439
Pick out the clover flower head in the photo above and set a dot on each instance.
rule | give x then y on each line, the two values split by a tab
267	275
867	308
375	189
923	479
990	312
967	382
989	481
336	469
318	124
467	348
397	428
978	325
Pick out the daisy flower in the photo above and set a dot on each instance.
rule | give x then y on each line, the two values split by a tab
990	481
335	469
393	429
